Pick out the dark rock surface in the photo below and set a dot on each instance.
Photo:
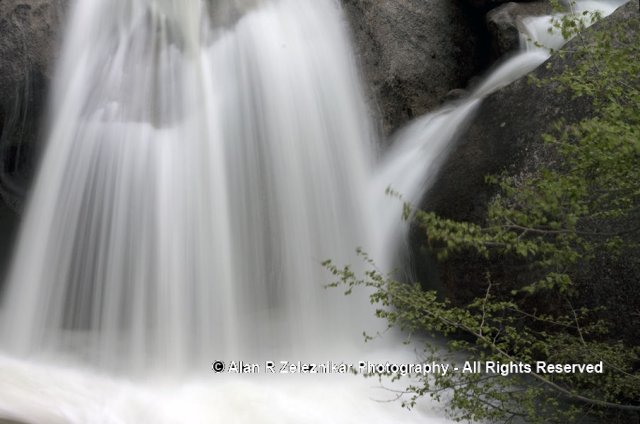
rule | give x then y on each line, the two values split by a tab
29	34
413	52
488	4
504	27
506	135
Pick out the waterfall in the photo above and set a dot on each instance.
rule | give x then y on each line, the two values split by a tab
203	159
195	178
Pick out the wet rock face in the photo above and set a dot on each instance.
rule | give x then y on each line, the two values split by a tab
413	52
506	135
30	31
503	24
29	34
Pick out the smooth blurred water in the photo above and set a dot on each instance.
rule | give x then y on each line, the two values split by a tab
534	30
196	176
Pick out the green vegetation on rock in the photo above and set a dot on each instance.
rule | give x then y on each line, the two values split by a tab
547	232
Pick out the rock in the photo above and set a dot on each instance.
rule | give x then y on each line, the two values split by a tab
488	4
506	135
7	421
9	221
28	47
455	94
413	52
29	30
504	24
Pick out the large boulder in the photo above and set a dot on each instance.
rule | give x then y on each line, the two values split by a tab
506	135
413	52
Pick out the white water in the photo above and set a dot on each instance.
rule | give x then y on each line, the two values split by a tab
198	171
534	29
419	149
195	179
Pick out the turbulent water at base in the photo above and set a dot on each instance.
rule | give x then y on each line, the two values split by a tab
202	160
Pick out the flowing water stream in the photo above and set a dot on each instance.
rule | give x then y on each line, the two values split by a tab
202	161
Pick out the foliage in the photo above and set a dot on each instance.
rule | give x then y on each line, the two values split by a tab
553	222
496	329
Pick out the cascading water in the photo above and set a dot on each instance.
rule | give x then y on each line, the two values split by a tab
203	159
195	178
417	152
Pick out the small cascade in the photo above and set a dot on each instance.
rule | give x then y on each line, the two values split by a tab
418	150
